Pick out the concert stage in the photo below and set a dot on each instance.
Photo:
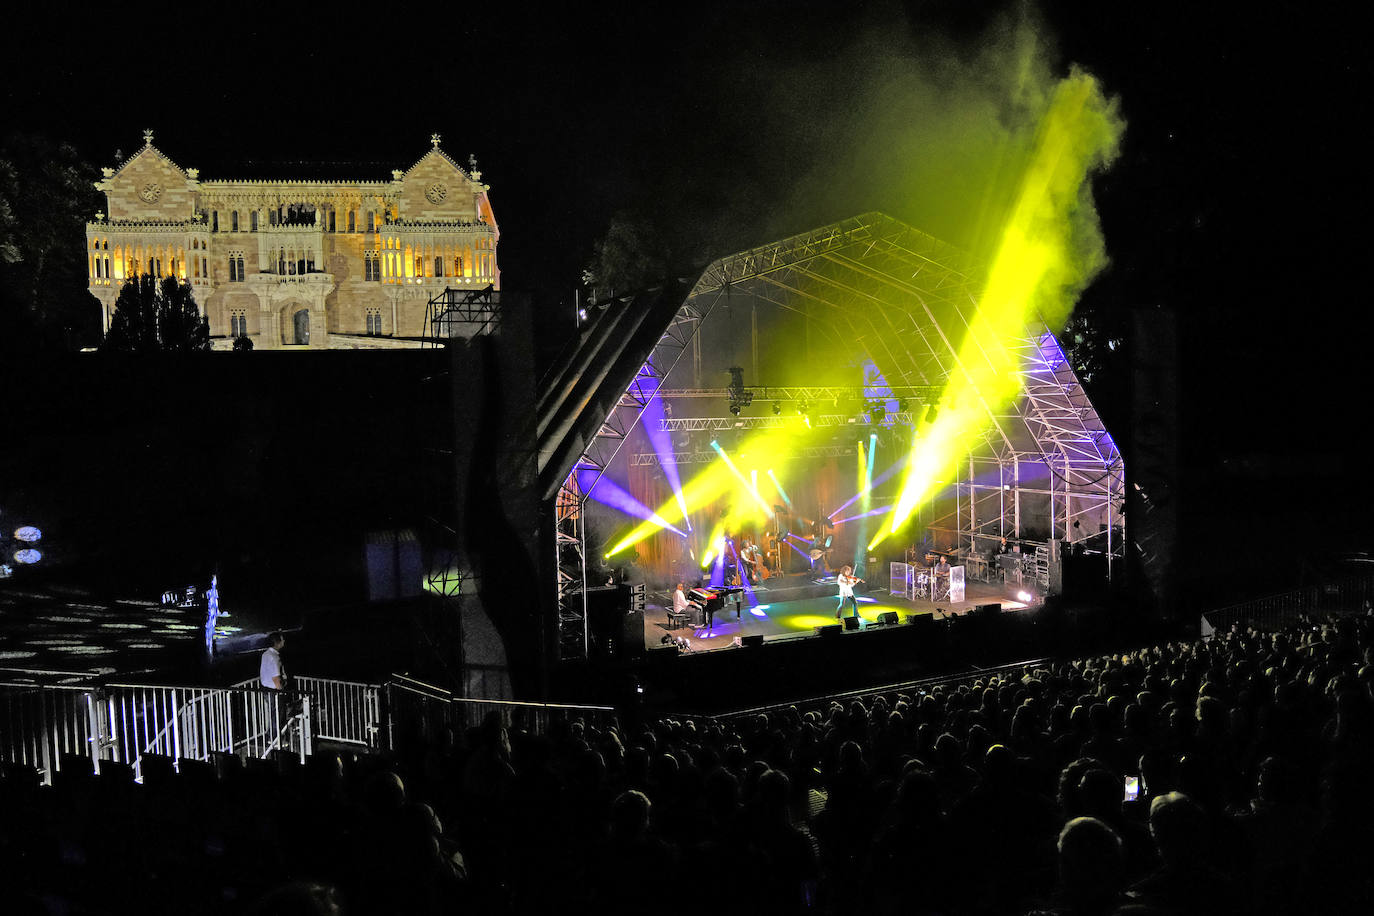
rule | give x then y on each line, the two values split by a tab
792	607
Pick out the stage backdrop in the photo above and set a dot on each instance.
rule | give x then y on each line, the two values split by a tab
815	489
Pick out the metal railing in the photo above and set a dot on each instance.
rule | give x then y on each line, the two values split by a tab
196	722
122	723
346	712
343	712
41	723
534	718
422	709
1274	612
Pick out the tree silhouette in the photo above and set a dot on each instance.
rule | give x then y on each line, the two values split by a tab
153	315
46	197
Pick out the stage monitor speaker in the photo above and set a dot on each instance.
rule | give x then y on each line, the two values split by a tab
616	631
752	639
989	609
888	618
923	619
851	623
829	629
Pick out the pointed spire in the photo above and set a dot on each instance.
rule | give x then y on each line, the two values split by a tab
148	138
434	138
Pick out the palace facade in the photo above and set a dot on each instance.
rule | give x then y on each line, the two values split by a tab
297	264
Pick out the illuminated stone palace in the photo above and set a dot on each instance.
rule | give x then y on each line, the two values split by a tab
296	264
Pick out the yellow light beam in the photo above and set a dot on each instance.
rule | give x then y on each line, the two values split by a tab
751	490
1050	248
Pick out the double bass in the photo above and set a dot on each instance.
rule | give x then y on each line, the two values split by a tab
752	557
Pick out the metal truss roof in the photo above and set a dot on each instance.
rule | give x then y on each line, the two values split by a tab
652	459
903	300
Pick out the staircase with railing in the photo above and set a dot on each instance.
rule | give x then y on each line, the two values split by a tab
44	721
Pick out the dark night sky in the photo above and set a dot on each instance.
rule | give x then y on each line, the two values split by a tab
1232	205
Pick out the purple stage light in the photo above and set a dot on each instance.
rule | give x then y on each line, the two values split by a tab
718	570
868	514
875	482
609	493
662	442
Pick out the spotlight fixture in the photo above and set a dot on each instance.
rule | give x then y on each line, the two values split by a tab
931	413
777	408
739	395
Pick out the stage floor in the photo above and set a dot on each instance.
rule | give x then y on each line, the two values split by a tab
792	607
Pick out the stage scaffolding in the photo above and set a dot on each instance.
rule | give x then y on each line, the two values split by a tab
462	313
905	301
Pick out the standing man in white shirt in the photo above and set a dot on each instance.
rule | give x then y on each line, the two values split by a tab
846	580
270	671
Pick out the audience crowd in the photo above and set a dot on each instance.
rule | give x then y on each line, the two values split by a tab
1221	777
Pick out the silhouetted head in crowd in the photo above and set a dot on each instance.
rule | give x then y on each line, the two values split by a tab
663	771
630	816
851	757
1277	782
1069	777
1156	772
299	898
386	793
1091	863
1179	829
1100	794
918	796
771	798
722	794
495	738
999	767
1212	716
947	750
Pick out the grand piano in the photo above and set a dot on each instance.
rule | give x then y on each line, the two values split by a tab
713	599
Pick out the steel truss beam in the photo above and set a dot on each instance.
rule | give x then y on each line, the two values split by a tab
926	394
652	459
574	636
824	421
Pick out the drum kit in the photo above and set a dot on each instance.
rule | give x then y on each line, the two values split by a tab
927	584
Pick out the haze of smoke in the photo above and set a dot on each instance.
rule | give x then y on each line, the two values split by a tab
940	134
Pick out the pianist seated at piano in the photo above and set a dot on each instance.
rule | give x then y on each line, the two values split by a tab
682	607
713	599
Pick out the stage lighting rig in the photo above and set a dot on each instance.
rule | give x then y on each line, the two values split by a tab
739	395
